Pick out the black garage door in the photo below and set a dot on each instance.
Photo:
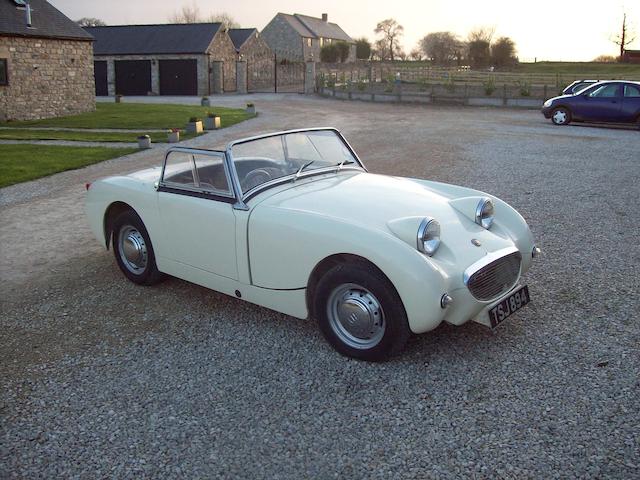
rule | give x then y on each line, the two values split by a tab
100	75
133	77
178	77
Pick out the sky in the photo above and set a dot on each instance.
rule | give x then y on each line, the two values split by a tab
541	29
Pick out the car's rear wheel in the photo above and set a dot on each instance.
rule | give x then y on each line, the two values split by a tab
561	116
133	250
360	313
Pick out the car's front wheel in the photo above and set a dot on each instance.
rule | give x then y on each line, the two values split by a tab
133	250
360	313
561	116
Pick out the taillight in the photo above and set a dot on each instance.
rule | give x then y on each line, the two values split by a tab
87	185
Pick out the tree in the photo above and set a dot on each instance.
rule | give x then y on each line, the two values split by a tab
416	54
191	14
479	46
90	22
343	50
605	59
624	38
363	49
503	52
441	47
329	53
391	32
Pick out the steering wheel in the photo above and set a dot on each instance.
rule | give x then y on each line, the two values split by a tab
257	177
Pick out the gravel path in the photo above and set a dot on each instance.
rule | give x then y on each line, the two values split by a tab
102	378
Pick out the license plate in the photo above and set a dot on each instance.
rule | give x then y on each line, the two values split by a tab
509	305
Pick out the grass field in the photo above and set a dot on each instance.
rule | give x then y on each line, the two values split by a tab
578	68
137	116
33	134
20	163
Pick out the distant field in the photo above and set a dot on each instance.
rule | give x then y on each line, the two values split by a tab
577	68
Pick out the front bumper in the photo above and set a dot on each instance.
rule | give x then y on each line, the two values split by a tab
546	111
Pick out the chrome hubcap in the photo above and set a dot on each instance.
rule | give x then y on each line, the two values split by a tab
356	316
133	249
560	116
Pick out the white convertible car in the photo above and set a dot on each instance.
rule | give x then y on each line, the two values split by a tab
294	222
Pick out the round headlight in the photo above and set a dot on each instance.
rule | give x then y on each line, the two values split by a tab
429	236
548	103
484	213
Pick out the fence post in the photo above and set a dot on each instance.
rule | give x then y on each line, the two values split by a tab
504	94
545	91
309	77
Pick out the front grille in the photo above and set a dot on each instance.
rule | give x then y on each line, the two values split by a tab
496	278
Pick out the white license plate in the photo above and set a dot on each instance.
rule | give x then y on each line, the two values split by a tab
508	306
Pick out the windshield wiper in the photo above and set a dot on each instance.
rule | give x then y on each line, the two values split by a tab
301	169
343	162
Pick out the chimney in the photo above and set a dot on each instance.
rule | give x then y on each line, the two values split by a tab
27	12
325	17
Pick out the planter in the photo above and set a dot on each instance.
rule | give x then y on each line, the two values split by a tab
118	98
194	127
212	123
205	102
251	109
144	141
173	137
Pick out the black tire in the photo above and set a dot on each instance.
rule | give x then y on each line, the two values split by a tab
371	285
561	116
141	270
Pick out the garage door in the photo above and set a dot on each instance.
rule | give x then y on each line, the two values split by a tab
133	77
100	75
178	77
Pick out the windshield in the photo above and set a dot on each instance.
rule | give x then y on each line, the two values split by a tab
290	154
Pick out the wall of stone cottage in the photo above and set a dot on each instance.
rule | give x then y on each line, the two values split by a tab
283	40
222	49
47	78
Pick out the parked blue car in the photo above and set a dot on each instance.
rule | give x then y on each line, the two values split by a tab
610	101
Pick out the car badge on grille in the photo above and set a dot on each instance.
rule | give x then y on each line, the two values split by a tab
476	242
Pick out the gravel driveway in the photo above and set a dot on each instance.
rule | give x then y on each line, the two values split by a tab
102	378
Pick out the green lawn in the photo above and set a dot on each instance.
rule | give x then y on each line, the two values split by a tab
137	116
29	134
577	68
19	163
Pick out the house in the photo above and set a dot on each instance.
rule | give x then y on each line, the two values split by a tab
298	38
46	67
165	59
249	44
631	56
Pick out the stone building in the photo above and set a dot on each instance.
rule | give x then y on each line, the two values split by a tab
631	56
46	67
166	59
298	38
249	44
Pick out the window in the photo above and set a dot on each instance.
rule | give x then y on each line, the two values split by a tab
631	91
4	74
605	91
199	172
309	42
321	41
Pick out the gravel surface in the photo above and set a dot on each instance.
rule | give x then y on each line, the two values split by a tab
102	378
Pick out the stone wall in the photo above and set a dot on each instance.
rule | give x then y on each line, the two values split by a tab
47	78
255	49
283	40
222	49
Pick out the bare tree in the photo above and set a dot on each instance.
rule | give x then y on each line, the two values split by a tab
391	32
186	14
90	22
441	47
481	33
416	54
225	19
625	37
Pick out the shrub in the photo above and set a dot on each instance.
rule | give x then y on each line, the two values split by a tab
361	85
194	120
390	80
329	53
525	88
343	51
211	115
489	86
331	83
249	105
422	84
450	84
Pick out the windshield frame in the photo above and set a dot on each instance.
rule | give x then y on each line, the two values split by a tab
245	196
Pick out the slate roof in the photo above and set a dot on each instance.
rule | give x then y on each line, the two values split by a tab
240	35
152	39
46	21
314	27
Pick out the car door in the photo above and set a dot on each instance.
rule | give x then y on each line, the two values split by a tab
630	103
603	103
195	202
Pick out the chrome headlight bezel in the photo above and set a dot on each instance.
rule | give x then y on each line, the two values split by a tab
485	213
428	236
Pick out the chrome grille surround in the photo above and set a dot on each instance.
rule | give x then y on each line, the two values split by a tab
494	274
